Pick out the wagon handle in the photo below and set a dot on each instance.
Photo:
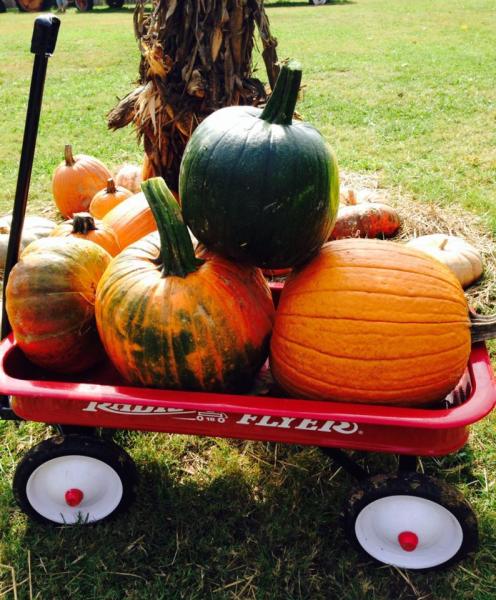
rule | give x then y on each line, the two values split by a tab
45	31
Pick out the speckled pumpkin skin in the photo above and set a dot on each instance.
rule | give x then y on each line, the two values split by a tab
50	303
261	193
371	321
207	331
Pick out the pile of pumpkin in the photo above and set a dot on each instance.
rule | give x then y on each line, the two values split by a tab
359	319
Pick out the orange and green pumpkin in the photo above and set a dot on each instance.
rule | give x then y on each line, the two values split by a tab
50	299
172	320
371	321
260	186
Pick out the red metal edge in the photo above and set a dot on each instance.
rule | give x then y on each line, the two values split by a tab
479	404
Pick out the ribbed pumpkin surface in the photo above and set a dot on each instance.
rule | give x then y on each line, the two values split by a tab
259	186
76	180
206	331
131	220
50	302
371	321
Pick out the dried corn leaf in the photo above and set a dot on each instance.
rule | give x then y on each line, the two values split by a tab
216	43
198	54
171	9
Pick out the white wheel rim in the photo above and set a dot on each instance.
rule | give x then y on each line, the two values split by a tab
379	524
100	484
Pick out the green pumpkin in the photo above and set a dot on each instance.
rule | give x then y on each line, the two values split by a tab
259	186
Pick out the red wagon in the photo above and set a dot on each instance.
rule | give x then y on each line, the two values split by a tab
406	518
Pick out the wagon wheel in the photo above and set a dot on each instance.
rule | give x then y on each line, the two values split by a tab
411	521
115	3
74	479
33	5
84	5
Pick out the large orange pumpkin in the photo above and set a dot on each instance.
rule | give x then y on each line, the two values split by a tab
83	225
76	180
371	321
50	302
131	220
170	319
105	200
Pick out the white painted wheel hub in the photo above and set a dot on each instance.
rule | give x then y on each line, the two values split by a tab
99	483
382	524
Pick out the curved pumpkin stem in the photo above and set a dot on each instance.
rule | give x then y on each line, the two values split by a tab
482	327
176	248
68	156
280	107
83	222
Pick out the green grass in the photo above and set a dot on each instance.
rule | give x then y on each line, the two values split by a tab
405	89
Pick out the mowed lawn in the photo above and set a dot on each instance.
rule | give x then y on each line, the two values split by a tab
402	89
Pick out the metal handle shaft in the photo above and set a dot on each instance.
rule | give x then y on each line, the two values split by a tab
43	42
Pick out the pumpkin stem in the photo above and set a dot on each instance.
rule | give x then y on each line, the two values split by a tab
176	248
280	107
82	223
442	246
482	327
110	186
352	199
69	157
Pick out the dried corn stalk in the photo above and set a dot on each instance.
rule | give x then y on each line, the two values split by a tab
196	57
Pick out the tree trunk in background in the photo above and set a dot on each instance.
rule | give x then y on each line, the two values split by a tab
196	57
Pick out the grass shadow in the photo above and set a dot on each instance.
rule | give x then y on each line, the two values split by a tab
268	526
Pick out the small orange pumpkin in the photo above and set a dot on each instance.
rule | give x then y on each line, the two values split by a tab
83	225
76	180
106	199
131	220
371	321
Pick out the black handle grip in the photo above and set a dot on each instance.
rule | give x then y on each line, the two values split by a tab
46	29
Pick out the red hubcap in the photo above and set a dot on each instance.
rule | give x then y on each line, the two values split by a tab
74	497
408	540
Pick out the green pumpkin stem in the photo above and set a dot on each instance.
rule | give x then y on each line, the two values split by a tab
176	248
280	107
82	223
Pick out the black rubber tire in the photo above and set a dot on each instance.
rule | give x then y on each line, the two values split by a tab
115	3
84	5
94	447
422	486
